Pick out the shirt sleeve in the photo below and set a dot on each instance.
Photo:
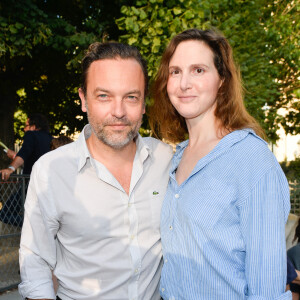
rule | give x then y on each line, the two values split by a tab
37	252
263	217
291	273
28	146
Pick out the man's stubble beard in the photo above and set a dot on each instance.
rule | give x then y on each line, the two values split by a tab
115	140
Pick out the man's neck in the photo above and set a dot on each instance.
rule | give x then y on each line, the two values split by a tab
118	161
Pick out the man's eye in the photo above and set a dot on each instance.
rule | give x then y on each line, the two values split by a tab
132	98
103	96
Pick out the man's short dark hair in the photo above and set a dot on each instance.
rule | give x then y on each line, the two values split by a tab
40	122
111	50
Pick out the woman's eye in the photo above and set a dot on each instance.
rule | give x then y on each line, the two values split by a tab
174	72
199	70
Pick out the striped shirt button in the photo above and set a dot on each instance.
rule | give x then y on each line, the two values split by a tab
176	196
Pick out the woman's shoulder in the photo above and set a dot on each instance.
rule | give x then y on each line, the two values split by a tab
254	149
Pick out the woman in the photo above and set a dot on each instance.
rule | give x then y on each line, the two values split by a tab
223	218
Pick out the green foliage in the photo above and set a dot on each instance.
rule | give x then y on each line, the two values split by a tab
19	124
20	35
292	172
291	169
259	31
41	45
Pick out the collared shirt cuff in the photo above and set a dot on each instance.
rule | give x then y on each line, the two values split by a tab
37	290
286	296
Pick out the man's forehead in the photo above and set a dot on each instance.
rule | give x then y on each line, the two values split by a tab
113	72
116	61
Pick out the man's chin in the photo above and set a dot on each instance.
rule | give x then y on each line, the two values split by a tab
117	144
118	141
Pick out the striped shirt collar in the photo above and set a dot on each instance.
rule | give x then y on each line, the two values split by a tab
224	144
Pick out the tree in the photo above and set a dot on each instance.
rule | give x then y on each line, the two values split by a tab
256	30
41	44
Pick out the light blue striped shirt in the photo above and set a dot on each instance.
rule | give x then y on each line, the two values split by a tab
223	229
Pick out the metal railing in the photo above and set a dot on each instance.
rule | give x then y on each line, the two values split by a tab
295	197
12	196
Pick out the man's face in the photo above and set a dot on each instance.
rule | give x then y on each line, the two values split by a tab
29	127
114	100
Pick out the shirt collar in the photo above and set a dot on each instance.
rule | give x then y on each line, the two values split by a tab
142	149
225	143
82	148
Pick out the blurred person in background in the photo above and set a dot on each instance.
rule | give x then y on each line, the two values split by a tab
36	142
60	141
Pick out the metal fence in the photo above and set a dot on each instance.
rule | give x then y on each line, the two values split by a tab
295	197
12	196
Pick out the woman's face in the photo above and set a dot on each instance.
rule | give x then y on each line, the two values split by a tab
193	80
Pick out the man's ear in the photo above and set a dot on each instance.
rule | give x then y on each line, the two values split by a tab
83	100
144	107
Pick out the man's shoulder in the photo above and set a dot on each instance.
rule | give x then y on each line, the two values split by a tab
63	153
158	146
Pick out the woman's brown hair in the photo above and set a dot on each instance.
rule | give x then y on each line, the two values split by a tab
166	122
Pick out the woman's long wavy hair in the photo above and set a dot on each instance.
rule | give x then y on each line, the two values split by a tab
167	123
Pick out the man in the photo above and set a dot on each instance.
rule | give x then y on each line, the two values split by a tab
93	206
36	142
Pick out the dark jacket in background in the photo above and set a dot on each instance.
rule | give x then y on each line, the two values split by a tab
35	144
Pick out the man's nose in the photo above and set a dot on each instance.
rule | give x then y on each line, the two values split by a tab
118	109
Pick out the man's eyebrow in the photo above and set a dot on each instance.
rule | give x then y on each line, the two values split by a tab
100	89
134	92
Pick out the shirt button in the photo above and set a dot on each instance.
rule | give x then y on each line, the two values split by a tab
162	289
132	237
176	196
136	270
166	260
129	204
171	227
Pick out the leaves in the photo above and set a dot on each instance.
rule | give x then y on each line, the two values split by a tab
263	34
